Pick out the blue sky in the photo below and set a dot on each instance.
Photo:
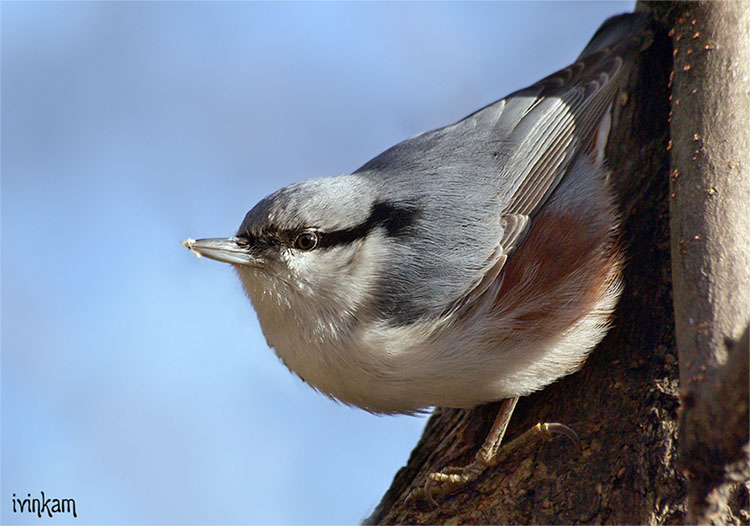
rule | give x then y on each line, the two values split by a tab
135	378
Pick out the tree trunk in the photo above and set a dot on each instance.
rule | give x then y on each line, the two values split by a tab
710	224
625	403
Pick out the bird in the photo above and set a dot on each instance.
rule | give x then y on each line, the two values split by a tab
475	263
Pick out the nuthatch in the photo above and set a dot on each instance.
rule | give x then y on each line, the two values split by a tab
469	264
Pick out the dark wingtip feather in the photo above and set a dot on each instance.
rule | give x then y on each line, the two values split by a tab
619	28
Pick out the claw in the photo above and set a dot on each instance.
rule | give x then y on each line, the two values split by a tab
446	482
452	479
428	491
562	429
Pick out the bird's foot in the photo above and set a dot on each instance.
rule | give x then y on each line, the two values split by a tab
452	479
447	482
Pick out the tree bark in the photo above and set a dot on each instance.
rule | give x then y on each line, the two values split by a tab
625	402
710	225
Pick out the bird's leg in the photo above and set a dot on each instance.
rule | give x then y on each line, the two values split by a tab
452	479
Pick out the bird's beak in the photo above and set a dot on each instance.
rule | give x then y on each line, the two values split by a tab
227	249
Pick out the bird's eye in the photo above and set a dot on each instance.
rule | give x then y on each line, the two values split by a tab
306	241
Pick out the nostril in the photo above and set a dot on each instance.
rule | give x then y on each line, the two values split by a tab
242	242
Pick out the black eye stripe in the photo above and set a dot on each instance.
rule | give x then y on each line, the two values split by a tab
395	220
343	237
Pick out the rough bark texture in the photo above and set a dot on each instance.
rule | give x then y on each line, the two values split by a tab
638	465
710	225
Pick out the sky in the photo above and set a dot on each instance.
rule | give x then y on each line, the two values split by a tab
134	377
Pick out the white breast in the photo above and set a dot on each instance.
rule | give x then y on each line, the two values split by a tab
536	323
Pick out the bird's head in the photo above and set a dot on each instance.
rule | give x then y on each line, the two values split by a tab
314	254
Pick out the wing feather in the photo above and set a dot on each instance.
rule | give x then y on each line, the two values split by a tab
548	125
512	154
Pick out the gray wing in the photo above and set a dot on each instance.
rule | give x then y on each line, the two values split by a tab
512	153
548	125
550	122
535	133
